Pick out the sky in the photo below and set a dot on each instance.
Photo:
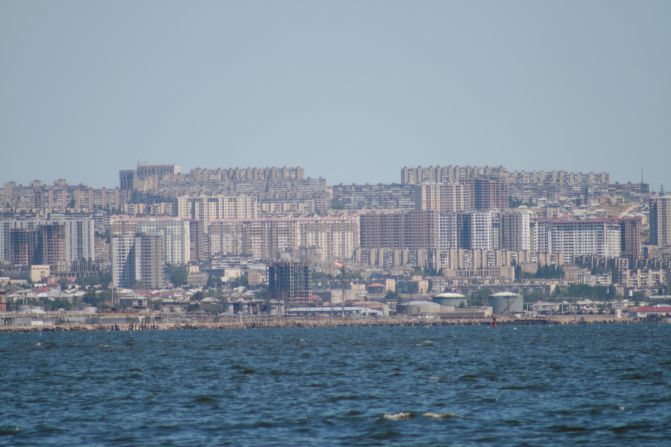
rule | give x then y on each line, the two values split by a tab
350	90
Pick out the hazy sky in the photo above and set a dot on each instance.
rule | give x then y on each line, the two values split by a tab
350	90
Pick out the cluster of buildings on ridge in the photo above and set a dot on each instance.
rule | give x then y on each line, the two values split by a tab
441	228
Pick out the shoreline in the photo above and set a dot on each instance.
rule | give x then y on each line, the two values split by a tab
278	322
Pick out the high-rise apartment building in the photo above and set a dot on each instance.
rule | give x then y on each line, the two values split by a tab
137	261
333	237
79	239
444	197
447	174
22	246
50	245
207	208
290	282
413	229
76	234
448	231
175	232
490	193
571	238
631	237
149	261
475	230
123	261
660	221
515	231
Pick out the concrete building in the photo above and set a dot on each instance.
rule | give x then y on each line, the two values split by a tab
413	230
580	237
370	197
631	237
515	231
290	282
490	193
475	230
216	207
176	234
67	239
444	197
137	261
50	245
39	273
123	261
446	174
660	221
333	237
149	261
21	246
79	239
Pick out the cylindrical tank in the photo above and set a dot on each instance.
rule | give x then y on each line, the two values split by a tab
420	308
450	299
506	303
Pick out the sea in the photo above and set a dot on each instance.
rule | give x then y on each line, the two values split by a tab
596	384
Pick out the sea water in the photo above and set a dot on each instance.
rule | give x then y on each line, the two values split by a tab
450	385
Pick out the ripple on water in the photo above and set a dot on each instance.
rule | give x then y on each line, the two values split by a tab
596	384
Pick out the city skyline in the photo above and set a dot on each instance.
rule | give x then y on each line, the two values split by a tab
351	92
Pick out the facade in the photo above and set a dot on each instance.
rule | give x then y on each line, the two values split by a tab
445	174
490	193
149	261
22	246
631	237
175	231
372	197
580	237
413	230
290	282
660	221
123	261
444	197
50	245
515	231
320	237
79	239
207	208
73	240
474	230
137	261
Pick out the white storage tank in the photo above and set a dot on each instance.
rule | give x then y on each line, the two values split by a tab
506	303
420	308
451	299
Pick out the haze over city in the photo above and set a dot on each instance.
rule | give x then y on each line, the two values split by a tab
352	91
335	222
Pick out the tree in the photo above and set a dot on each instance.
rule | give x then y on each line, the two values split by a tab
178	276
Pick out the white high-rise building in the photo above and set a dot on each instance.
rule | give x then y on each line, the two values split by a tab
79	239
137	261
515	231
448	231
208	208
321	237
123	261
175	233
477	230
579	237
149	261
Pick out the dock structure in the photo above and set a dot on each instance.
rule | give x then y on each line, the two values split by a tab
131	322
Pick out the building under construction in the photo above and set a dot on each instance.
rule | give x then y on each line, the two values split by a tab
290	283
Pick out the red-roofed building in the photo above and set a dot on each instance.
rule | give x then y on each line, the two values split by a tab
649	311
